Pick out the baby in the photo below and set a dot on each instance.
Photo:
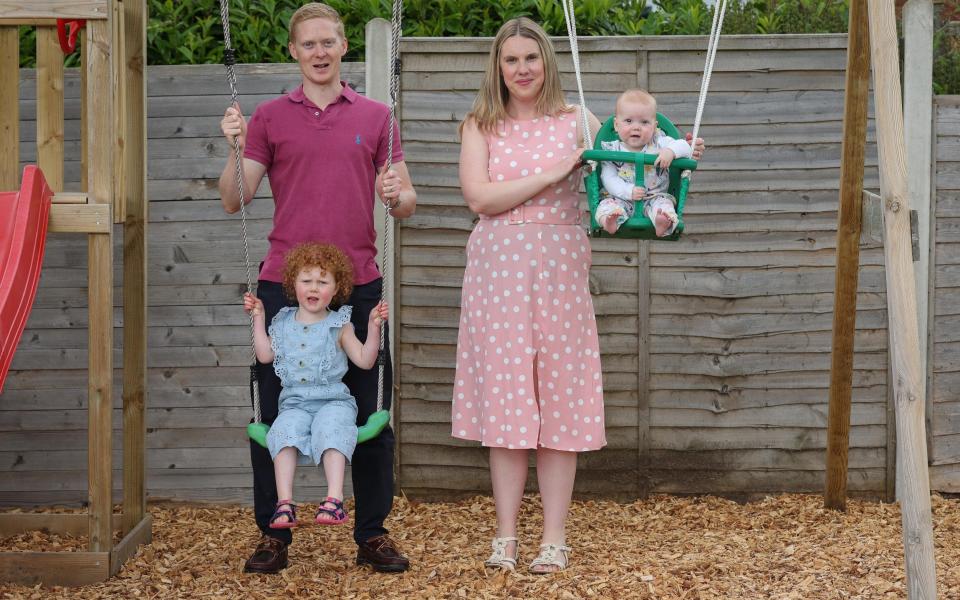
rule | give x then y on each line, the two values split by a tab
636	124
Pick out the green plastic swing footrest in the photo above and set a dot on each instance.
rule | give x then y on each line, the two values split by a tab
371	429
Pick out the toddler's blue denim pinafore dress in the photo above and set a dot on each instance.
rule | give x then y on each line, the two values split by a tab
317	411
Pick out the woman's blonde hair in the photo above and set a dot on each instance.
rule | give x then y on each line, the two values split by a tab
489	108
315	10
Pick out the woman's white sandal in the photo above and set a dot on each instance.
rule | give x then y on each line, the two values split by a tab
551	555
499	558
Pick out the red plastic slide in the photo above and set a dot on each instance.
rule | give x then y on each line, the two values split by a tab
23	230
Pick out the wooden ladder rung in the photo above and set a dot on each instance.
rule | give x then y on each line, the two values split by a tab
70	198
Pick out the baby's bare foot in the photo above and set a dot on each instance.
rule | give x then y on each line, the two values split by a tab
663	223
610	224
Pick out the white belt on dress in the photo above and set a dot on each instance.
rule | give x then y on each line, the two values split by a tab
537	214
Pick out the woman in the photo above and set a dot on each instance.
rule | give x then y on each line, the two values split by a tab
528	359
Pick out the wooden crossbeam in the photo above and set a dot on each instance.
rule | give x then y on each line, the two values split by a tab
29	22
27	11
80	218
59	523
54	568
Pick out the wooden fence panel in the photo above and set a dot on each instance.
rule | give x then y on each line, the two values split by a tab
944	337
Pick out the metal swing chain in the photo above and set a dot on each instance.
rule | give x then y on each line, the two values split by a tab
395	25
229	59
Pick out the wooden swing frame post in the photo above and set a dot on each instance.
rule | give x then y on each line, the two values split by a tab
114	176
907	377
909	390
848	254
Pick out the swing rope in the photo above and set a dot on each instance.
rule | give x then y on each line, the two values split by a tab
229	59
395	24
712	43
380	419
570	18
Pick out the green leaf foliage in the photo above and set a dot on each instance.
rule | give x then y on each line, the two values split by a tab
182	32
946	60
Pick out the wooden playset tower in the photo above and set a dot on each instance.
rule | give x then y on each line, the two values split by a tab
112	198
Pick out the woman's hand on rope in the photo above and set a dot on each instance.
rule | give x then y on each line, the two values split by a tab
562	169
698	146
388	188
379	314
234	126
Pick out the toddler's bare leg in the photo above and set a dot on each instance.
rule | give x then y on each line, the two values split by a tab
284	467
334	464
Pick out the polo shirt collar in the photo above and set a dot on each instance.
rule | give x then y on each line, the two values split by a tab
348	94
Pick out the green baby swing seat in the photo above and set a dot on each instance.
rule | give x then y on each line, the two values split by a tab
638	226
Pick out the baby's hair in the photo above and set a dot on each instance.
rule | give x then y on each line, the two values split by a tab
639	96
326	256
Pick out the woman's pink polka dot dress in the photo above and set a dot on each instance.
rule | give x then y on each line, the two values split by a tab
528	358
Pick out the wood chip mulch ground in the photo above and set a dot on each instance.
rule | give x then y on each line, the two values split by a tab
784	547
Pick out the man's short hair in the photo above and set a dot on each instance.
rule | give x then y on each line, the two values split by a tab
315	10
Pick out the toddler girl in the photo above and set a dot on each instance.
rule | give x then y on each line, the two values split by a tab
309	345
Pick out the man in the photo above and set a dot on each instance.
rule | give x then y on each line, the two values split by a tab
323	147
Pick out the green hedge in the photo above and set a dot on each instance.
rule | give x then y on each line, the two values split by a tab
946	61
182	32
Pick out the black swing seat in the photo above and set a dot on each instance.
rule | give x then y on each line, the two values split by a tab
638	226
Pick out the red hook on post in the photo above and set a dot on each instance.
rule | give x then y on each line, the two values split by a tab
68	41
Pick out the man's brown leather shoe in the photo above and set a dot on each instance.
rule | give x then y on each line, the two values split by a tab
381	553
269	557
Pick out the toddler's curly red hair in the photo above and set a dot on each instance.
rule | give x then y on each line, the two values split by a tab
326	256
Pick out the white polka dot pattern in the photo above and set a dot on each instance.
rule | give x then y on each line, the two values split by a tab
528	358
